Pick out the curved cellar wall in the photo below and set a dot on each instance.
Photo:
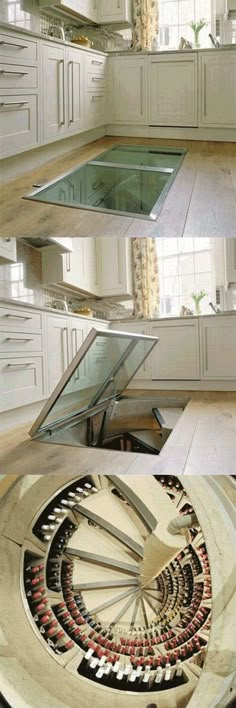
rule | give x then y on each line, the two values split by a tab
102	600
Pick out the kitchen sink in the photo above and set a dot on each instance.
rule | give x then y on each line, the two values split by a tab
131	180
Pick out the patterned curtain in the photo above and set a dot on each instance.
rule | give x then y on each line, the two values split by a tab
146	277
145	23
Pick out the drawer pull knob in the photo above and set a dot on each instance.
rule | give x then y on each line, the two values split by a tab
19	339
20	366
20	317
19	73
13	103
13	44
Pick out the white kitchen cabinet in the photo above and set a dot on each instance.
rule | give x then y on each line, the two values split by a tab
177	355
58	348
88	9
137	327
218	347
18	123
114	267
130	90
218	89
75	90
21	381
115	11
173	90
53	77
8	250
76	271
230	260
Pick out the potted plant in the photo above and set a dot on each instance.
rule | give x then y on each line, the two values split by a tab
197	27
197	297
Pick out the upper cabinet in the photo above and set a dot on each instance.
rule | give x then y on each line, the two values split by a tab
230	260
97	266
104	12
217	89
88	9
7	250
173	90
118	11
129	90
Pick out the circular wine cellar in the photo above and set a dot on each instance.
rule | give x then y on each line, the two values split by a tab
107	592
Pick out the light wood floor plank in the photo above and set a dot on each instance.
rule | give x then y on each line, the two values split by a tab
201	201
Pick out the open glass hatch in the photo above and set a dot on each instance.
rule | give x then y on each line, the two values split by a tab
87	407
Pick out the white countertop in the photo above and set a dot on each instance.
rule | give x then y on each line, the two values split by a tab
171	317
126	52
46	37
44	308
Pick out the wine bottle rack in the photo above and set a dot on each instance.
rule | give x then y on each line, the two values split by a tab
170	621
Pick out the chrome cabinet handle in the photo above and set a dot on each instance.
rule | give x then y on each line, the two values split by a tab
19	339
13	103
205	92
20	317
19	73
98	63
97	78
68	263
141	90
71	91
65	350
13	44
20	366
97	98
61	95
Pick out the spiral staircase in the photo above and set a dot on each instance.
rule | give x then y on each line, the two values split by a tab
117	588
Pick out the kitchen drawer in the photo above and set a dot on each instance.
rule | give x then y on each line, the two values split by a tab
21	381
18	320
17	342
95	111
95	64
16	76
18	123
95	81
17	47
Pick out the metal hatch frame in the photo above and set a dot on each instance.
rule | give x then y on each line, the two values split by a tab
96	406
158	204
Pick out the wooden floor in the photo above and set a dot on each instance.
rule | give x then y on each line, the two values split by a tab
203	442
201	201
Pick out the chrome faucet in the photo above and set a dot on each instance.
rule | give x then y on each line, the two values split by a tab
60	32
215	309
62	302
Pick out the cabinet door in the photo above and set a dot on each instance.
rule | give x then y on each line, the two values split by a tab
115	11
78	270
58	348
136	328
21	381
230	260
53	91
115	277
18	123
218	89
173	90
130	90
8	250
79	330
176	356
75	95
218	335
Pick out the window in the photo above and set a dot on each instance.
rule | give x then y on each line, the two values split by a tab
186	265
174	19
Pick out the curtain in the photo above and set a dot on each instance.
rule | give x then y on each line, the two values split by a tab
145	23
145	277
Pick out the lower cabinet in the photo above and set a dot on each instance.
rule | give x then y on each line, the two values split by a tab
19	123
21	381
8	250
173	90
218	344
144	373
177	355
129	90
217	71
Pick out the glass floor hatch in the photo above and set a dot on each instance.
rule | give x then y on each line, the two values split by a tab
130	180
